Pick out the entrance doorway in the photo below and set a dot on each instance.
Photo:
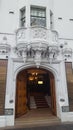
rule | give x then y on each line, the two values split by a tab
35	89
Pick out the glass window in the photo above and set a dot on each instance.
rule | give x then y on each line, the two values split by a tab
22	17
38	16
51	20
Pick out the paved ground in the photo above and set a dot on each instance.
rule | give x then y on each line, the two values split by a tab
53	127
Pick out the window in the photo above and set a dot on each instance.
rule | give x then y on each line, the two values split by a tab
38	16
22	20
51	20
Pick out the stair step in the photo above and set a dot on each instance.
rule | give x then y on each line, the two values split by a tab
37	121
41	101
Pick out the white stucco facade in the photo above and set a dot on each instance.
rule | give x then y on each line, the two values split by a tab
15	41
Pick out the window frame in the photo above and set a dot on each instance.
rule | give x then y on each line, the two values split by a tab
22	16
38	8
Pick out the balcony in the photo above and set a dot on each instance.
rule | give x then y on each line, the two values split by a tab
36	35
36	44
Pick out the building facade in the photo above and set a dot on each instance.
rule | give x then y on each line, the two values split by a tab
36	38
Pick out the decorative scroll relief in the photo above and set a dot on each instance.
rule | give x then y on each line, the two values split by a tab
8	38
54	36
67	52
39	33
4	47
38	53
35	33
53	52
21	35
20	49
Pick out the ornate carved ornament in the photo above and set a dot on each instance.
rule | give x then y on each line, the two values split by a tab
37	52
21	35
67	52
39	32
35	34
4	47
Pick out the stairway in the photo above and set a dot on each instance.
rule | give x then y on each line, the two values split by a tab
41	101
3	73
37	117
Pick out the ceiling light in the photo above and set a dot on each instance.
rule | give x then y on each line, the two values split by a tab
40	82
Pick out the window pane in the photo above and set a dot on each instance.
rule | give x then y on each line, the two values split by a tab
38	21
22	17
38	17
23	13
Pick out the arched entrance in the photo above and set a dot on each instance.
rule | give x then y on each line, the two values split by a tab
33	85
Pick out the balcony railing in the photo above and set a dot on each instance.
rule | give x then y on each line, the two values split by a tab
36	34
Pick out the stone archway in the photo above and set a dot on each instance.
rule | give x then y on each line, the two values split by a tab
21	89
60	91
